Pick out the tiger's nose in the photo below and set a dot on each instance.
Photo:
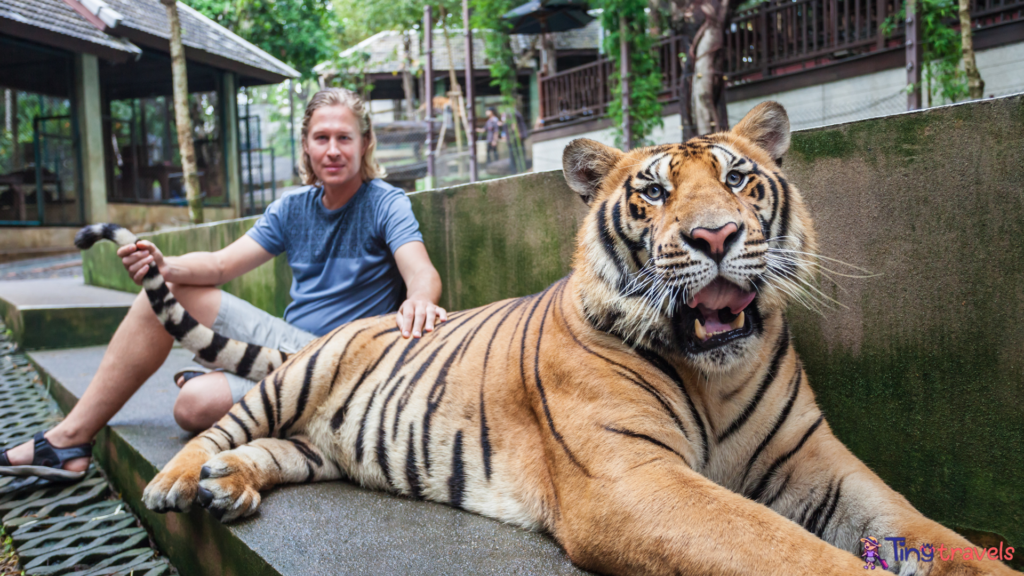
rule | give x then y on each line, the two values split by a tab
714	243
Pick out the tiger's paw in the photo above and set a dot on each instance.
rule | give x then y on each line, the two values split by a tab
171	492
227	489
174	488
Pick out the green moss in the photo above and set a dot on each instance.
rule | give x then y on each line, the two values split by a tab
935	421
813	145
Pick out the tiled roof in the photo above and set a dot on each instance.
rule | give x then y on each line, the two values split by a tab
142	19
198	32
586	38
57	17
385	48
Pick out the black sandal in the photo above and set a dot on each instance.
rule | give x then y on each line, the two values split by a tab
187	374
47	461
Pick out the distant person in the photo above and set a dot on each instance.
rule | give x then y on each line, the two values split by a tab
492	129
516	148
354	248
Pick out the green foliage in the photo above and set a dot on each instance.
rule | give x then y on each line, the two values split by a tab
350	71
302	33
645	76
941	49
501	61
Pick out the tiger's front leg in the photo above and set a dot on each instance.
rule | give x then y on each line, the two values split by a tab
230	483
279	406
833	495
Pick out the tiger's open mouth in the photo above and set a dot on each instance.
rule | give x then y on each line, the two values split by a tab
720	313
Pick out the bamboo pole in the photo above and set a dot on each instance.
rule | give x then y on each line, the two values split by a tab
470	113
428	88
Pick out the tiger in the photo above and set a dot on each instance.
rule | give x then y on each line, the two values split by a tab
648	410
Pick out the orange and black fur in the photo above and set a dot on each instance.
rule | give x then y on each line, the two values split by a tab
649	410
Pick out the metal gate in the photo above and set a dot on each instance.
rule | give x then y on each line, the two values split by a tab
253	167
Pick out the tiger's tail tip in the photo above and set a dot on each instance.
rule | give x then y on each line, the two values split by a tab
89	235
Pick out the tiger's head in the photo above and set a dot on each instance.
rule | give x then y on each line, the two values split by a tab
691	248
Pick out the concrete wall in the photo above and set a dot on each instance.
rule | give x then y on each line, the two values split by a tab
920	370
547	155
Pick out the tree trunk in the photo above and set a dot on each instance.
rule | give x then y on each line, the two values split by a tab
975	85
182	118
407	87
549	65
707	87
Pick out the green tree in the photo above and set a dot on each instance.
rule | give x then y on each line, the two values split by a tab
644	74
941	49
302	33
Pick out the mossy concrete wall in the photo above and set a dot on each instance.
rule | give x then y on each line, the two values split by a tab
501	238
920	371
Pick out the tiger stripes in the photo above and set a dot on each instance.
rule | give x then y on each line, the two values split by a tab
247	360
648	410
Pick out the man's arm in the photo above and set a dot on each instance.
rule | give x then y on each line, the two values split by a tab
420	311
196	268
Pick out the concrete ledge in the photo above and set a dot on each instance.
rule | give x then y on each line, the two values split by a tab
61	313
326	528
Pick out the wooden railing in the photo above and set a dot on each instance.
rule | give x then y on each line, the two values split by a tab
776	37
779	33
578	92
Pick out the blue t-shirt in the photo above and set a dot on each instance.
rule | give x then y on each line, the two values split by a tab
343	263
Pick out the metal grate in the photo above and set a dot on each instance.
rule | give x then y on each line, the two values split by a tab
80	528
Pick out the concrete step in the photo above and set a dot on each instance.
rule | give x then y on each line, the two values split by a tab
61	312
326	528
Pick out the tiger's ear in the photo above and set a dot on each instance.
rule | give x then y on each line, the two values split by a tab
767	125
585	164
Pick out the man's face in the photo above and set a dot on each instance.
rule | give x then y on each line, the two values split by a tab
334	145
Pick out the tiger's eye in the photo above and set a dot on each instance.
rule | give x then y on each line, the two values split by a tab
655	192
733	178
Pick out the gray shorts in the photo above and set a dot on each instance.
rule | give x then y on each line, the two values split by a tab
244	322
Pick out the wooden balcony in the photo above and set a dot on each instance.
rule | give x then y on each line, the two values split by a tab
776	39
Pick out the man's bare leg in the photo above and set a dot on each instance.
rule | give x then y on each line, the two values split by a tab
203	401
139	347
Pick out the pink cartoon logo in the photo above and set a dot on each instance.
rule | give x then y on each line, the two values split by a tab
871	553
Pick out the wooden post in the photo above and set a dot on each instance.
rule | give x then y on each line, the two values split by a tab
428	88
913	57
880	19
470	111
763	18
627	132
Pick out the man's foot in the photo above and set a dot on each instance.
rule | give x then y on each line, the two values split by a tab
23	454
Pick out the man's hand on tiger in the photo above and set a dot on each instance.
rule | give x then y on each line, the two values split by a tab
417	315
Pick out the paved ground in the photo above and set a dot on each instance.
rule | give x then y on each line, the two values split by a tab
334	527
64	292
63	266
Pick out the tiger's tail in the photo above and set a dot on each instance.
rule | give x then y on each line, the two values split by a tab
212	349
